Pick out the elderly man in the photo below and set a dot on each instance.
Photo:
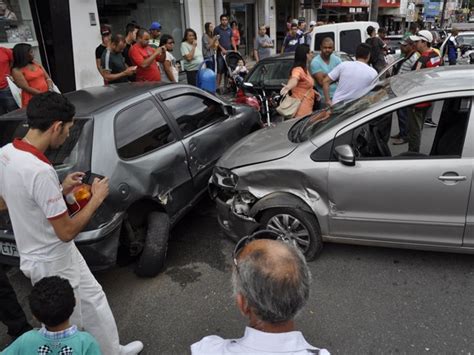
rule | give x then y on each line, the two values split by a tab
271	285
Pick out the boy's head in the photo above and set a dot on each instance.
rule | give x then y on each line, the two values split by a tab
52	300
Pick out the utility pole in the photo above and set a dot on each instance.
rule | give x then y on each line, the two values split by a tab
442	13
374	10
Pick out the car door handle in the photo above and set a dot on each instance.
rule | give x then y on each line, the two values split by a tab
452	178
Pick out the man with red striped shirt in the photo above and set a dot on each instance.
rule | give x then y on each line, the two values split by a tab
416	114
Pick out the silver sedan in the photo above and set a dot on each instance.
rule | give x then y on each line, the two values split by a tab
336	175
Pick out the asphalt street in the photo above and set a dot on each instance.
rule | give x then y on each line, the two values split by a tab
363	300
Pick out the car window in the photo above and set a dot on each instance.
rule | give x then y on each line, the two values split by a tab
349	40
322	120
319	38
194	112
65	154
443	139
271	73
466	40
140	129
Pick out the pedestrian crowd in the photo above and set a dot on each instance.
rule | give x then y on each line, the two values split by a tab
66	298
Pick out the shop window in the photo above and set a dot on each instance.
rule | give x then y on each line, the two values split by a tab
16	25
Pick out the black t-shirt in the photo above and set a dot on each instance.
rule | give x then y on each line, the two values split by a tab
377	55
99	51
125	55
114	63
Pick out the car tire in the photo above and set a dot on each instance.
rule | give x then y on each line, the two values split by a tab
307	221
153	257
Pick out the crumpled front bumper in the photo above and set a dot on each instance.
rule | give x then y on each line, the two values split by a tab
234	225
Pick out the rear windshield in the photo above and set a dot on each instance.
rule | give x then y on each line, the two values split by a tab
272	73
322	120
65	154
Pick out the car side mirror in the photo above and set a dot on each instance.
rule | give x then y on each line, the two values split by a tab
345	154
229	109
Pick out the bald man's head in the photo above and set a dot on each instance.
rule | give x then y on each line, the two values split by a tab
273	278
327	48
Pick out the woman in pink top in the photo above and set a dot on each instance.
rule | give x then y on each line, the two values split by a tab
235	34
301	82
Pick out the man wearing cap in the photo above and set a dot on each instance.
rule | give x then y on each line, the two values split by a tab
271	283
106	34
417	114
309	34
155	33
410	56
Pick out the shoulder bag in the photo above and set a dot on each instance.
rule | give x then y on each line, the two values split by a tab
289	105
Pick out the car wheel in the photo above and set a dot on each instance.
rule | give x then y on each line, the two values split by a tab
299	226
152	259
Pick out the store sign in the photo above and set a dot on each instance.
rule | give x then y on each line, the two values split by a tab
431	9
347	3
389	3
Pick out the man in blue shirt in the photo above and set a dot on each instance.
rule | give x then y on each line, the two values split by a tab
323	64
225	44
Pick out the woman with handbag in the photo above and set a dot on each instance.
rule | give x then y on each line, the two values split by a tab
301	85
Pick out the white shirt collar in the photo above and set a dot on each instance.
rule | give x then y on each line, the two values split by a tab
274	342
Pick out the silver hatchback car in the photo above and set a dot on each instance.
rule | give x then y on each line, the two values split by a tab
336	176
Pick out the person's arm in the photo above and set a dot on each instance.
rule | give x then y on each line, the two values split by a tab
142	62
67	228
48	79
112	77
326	82
189	55
21	82
168	71
255	49
295	77
255	54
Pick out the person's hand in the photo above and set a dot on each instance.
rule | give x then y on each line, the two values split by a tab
50	84
195	43
328	102
71	181
224	51
317	95
100	189
130	70
284	90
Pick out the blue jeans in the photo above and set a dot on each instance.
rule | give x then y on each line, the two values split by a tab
7	103
402	115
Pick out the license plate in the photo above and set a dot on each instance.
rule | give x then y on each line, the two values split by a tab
9	249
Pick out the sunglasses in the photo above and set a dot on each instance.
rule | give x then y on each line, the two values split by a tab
261	234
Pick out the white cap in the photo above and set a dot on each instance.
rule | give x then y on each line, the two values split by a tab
423	35
312	23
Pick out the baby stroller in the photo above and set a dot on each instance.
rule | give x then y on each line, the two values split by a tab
231	60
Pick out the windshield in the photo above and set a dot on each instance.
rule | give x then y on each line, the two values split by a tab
322	120
467	40
272	73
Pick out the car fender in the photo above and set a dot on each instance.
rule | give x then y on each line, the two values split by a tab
277	200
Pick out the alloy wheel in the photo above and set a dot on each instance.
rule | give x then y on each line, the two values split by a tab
291	228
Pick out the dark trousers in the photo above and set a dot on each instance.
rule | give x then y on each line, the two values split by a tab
11	313
191	76
402	115
416	119
7	103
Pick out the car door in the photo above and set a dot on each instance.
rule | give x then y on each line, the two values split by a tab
205	127
143	156
406	197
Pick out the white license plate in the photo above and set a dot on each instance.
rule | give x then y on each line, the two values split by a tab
9	249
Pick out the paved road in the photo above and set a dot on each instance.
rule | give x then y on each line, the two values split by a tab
363	300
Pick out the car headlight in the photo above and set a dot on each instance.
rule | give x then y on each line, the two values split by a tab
224	177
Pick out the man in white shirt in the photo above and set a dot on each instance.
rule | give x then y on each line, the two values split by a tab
271	283
355	78
44	231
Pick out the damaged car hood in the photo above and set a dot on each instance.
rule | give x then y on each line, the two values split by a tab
264	145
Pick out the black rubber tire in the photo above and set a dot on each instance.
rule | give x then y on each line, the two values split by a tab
153	257
308	220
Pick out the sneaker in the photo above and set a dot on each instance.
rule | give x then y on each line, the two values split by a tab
132	348
429	122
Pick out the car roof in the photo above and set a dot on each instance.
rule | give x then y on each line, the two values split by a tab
345	26
89	100
427	81
291	56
